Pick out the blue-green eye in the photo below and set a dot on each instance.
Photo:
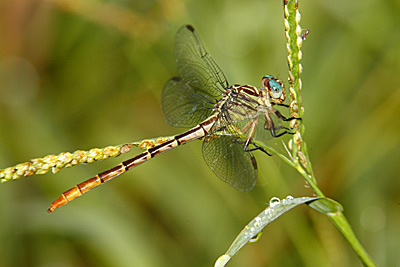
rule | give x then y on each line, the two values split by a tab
276	88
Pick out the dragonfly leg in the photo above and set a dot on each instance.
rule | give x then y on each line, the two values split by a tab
274	134
258	148
280	116
282	105
269	124
247	149
252	127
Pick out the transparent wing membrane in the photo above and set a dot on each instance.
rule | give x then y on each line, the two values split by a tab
195	65
227	159
183	106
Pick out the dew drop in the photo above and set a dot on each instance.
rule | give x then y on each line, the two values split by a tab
257	221
255	238
274	201
268	212
289	197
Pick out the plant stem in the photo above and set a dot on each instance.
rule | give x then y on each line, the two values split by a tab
340	221
300	158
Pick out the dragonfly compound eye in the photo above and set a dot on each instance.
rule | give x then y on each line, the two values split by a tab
275	89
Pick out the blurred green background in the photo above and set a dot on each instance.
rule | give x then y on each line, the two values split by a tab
83	74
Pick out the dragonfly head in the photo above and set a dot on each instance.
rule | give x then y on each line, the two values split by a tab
275	88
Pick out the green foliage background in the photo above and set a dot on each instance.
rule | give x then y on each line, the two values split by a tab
83	74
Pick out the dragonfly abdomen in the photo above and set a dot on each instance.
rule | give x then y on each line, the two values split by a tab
195	133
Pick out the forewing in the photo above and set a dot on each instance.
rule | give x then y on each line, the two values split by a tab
230	162
195	65
183	106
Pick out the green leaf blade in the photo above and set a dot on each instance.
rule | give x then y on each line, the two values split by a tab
276	208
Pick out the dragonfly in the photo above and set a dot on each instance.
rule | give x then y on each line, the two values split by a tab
227	117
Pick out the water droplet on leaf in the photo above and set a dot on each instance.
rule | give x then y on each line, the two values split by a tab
274	201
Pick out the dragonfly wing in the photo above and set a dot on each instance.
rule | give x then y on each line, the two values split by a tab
230	162
183	106
195	65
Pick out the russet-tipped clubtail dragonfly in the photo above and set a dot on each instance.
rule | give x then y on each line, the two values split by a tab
227	118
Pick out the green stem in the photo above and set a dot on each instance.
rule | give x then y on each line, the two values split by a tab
296	165
341	223
299	150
